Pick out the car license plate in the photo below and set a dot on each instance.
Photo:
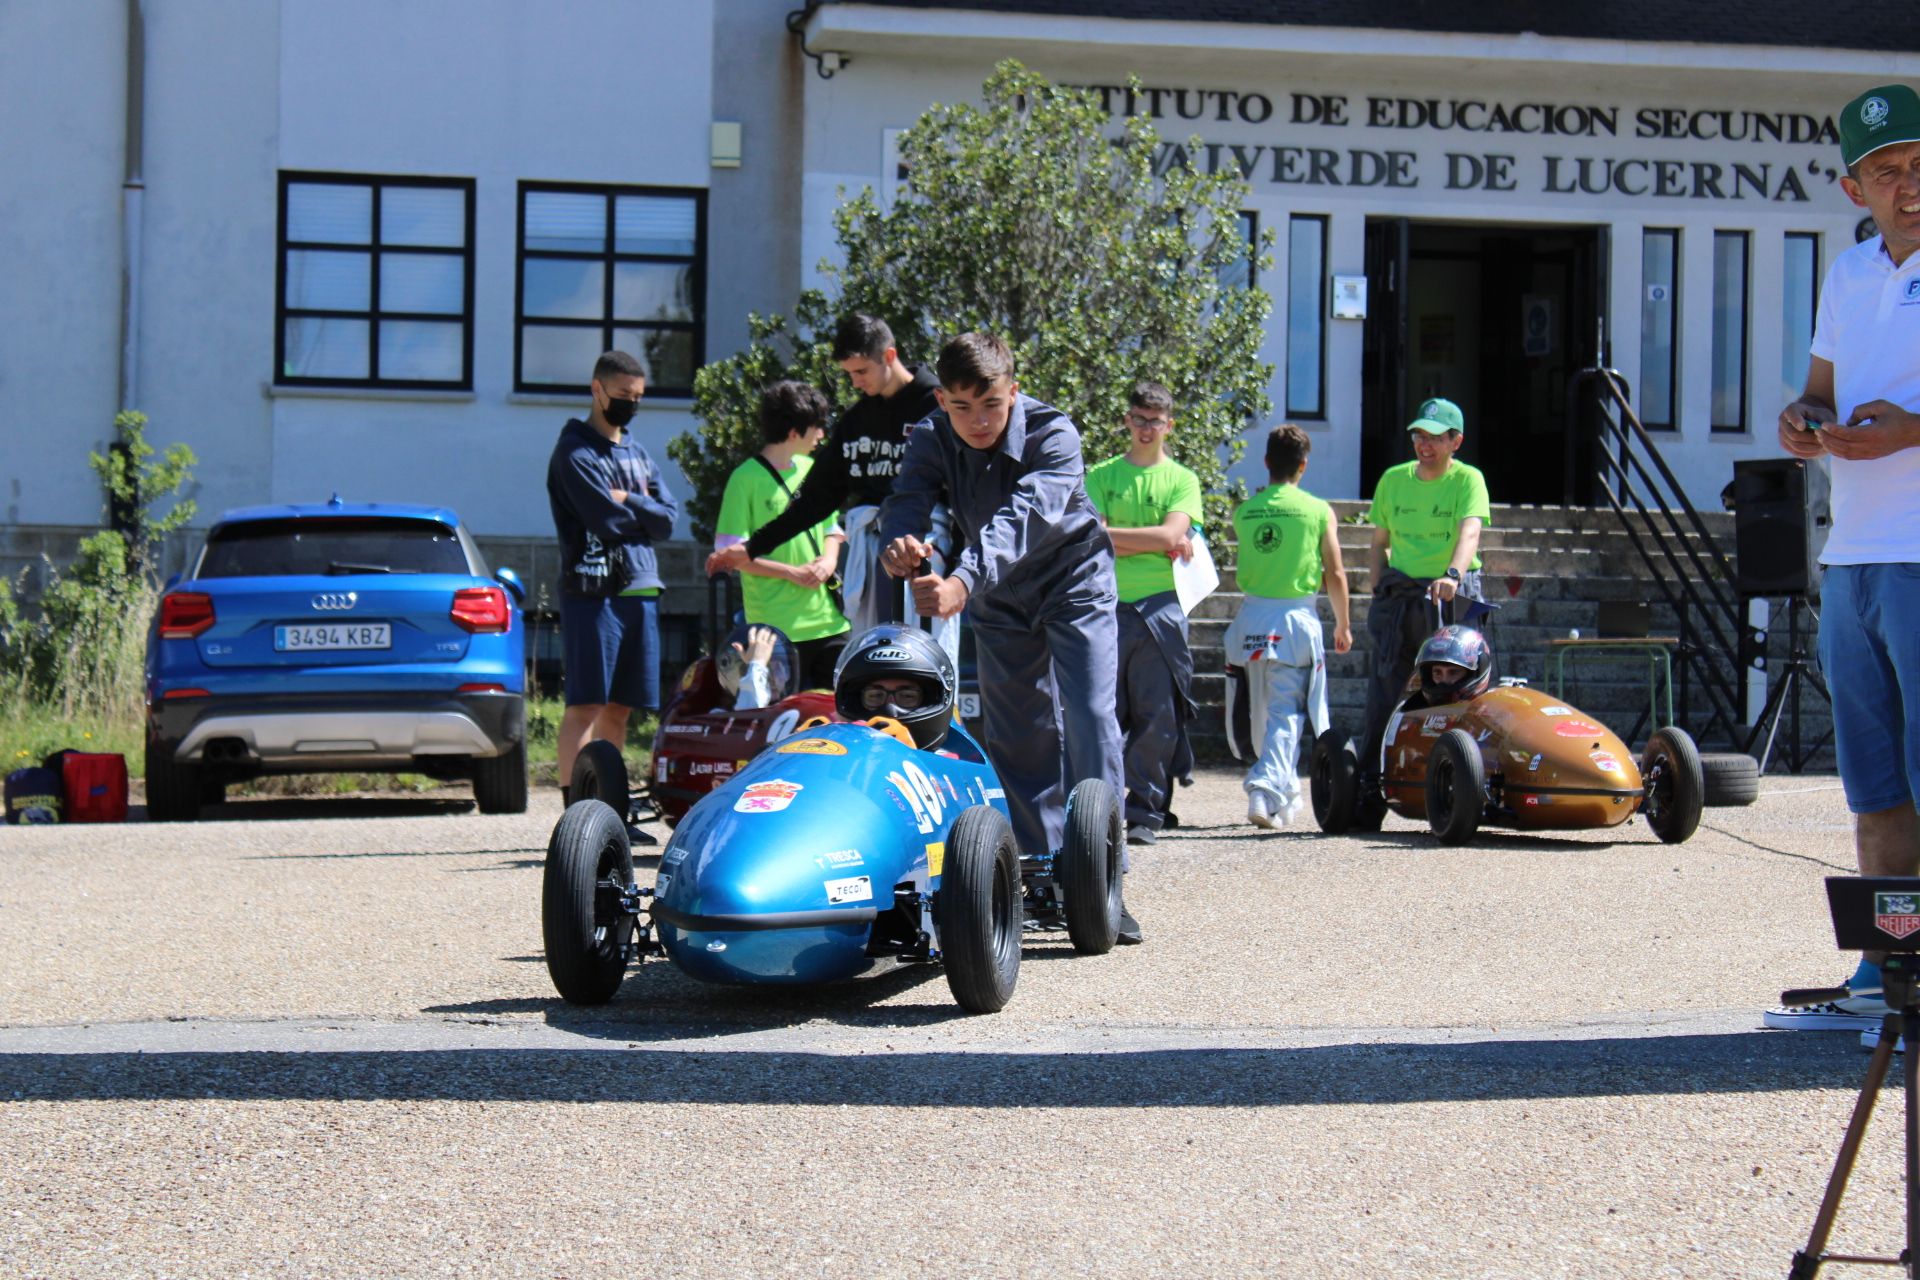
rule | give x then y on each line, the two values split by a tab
969	706
334	635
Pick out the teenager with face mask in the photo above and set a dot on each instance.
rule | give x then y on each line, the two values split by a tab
610	504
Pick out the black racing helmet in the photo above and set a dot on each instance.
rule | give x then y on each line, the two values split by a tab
899	652
730	663
1460	647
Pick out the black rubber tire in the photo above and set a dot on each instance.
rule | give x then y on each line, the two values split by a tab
1456	787
212	791
600	773
1732	778
500	782
977	910
1089	867
173	788
1333	782
1676	785
588	858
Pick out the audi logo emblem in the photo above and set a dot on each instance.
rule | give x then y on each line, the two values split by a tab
336	600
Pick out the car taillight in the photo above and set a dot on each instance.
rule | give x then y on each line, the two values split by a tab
482	609
184	693
185	614
481	688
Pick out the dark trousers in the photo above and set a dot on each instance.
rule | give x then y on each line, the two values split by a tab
1047	705
1150	699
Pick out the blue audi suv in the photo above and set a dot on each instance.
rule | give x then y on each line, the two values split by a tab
332	638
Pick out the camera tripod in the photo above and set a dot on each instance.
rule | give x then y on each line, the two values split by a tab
1796	670
1903	1017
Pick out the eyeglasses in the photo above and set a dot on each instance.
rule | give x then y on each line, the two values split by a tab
906	695
1140	422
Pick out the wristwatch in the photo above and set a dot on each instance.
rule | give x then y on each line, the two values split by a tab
1453	573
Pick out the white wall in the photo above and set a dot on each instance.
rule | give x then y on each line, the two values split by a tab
896	73
615	91
62	78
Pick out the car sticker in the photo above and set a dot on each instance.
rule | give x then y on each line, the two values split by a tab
770	796
936	858
992	793
1604	761
852	889
783	725
718	768
839	858
1556	711
811	747
1578	729
688	728
661	883
1533	765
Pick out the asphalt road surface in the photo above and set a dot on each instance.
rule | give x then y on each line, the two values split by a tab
317	1038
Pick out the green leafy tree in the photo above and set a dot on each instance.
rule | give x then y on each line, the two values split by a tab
1097	264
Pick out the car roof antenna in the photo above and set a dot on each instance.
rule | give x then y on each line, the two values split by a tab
334	501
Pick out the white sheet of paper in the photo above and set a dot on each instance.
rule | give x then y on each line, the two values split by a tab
1194	580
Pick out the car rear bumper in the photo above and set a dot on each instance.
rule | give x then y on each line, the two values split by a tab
314	733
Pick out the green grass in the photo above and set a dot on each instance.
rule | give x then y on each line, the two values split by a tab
29	731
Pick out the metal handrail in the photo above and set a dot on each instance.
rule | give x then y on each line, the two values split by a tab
1690	571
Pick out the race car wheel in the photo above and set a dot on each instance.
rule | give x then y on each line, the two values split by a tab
1090	878
1675	785
1456	787
589	863
500	783
1333	782
600	773
977	910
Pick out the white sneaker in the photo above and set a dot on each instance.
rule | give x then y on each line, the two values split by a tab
1871	1040
1260	810
1291	812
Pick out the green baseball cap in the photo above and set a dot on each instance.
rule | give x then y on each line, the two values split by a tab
1437	417
1878	118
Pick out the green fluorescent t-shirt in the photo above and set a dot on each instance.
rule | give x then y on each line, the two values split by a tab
1279	530
1130	497
752	499
1422	517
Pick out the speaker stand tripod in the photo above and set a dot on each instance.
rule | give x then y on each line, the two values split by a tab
1796	671
1903	1017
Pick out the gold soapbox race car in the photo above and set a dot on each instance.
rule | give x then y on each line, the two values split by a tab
1469	753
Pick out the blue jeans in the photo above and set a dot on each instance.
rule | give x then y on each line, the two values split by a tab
1870	654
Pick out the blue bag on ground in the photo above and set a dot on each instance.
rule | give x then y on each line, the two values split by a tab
34	795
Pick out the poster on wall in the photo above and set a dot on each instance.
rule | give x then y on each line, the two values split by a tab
1536	325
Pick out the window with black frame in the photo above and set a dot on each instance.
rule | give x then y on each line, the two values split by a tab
1659	345
1307	306
1729	401
610	268
374	282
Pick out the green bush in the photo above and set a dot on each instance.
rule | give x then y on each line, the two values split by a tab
1021	216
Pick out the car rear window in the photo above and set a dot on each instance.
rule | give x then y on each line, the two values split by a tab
332	545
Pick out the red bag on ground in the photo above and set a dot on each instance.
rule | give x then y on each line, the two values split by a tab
96	786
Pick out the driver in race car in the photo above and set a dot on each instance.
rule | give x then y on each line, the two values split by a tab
1454	665
901	673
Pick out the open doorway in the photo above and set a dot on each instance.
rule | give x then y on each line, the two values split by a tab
1496	319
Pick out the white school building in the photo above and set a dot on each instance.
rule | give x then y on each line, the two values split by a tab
373	247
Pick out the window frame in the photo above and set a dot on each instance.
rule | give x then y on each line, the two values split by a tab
374	248
1672	421
1322	306
1812	240
1746	331
608	256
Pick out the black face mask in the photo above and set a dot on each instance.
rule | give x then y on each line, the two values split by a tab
619	413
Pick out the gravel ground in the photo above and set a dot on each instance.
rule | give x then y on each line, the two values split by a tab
317	1037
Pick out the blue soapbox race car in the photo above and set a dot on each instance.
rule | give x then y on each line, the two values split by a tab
837	849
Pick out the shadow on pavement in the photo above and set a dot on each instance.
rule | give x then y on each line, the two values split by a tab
310	808
1337	1075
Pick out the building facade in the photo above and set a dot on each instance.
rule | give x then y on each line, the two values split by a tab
372	248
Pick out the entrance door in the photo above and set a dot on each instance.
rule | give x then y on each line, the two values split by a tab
1495	319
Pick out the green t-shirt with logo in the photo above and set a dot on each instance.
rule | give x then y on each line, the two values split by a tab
1279	530
1130	497
753	498
1422	517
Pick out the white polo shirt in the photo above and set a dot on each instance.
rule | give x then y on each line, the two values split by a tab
1869	328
